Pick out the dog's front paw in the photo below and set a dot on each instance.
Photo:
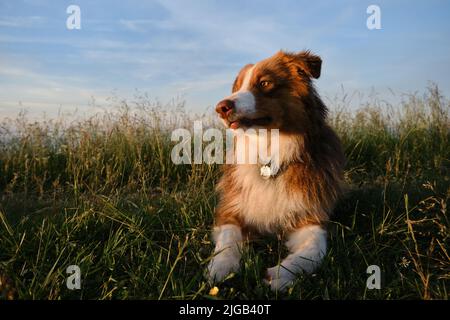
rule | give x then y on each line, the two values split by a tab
279	278
222	265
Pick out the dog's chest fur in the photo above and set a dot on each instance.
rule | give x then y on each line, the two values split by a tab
265	204
268	203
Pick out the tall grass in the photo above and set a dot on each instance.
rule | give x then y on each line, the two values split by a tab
103	193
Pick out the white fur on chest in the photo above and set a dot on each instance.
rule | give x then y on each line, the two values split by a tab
265	203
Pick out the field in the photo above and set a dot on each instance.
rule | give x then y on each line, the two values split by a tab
102	193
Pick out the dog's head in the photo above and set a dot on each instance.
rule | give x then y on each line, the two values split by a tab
275	93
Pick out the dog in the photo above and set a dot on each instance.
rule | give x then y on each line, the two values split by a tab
296	200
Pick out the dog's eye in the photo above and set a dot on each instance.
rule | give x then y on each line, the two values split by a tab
264	84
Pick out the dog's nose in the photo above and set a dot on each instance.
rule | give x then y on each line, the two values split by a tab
224	108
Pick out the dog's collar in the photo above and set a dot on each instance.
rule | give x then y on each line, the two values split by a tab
267	172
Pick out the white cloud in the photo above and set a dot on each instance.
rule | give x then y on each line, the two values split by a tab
21	22
138	25
24	87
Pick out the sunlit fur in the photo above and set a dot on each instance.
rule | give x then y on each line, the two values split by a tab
308	187
305	190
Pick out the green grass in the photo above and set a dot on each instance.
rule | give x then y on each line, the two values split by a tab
103	194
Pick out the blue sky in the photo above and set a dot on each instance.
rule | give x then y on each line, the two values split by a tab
193	49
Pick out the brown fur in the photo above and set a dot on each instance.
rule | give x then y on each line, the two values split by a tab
313	170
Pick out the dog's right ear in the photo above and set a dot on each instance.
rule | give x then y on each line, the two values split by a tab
307	63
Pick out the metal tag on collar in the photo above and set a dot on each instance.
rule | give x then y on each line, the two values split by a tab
265	171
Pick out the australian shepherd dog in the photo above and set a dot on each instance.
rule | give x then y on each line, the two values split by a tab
294	201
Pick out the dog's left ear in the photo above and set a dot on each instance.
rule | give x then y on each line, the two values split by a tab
308	63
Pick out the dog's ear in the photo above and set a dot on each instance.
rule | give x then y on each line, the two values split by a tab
308	63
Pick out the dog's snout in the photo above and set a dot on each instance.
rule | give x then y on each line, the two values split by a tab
224	108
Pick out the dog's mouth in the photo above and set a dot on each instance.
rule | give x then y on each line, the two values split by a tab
249	122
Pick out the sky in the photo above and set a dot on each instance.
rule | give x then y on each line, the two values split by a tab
191	50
